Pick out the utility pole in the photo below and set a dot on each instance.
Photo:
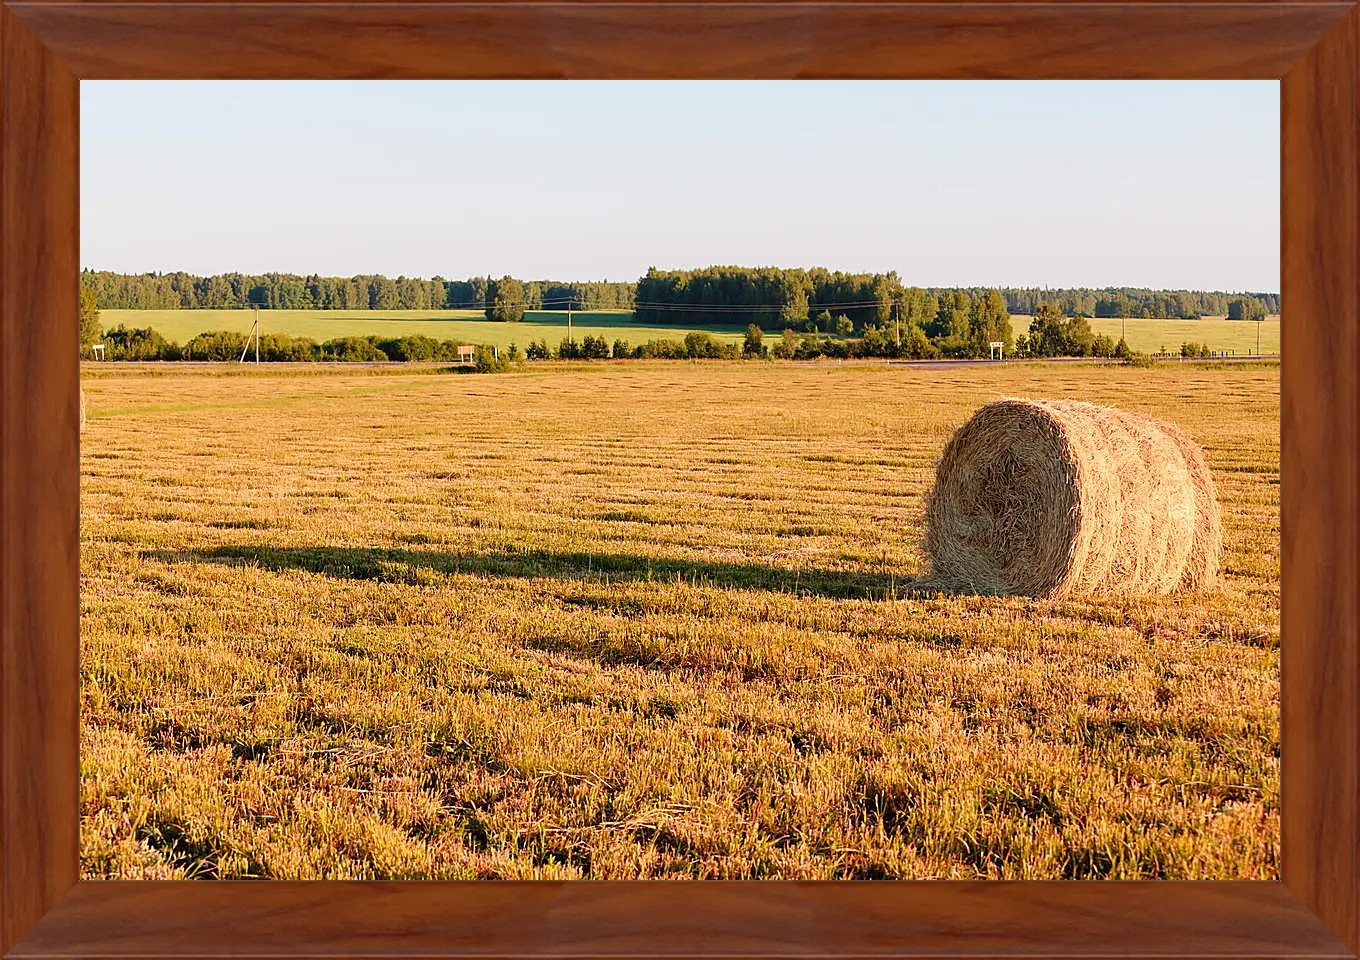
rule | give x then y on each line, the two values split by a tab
570	298
1258	335
255	335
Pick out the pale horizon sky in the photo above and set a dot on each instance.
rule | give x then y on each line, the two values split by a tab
1167	184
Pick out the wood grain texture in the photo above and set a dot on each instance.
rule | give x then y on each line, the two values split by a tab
1320	522
38	479
44	46
839	7
164	40
679	919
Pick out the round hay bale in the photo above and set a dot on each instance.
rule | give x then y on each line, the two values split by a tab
1201	568
1050	497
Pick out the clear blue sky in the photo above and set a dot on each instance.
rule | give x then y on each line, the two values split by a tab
1029	183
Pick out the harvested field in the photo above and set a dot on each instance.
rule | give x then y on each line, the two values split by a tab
643	620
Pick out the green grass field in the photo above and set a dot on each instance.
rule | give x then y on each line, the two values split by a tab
466	325
1153	336
642	620
1145	336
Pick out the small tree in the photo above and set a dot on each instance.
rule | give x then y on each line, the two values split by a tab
844	326
754	344
1121	349
622	350
809	347
917	345
702	346
538	350
486	360
140	344
1078	340
505	300
90	330
1246	308
873	343
594	348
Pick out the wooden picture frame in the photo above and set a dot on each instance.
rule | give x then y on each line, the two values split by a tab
47	46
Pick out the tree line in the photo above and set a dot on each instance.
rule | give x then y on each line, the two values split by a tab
145	343
1136	303
774	298
768	296
886	317
290	291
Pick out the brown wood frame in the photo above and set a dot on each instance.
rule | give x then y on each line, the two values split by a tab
46	46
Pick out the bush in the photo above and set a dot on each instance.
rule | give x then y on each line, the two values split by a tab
352	349
873	342
701	346
809	347
1052	335
216	345
142	343
787	346
120	343
918	345
753	345
538	350
281	348
486	359
662	350
415	347
594	348
622	350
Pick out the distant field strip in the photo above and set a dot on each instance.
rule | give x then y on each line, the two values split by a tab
467	325
642	620
1145	336
1154	336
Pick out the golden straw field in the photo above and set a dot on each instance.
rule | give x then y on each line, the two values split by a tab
643	619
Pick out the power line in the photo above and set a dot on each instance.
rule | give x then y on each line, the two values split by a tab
577	303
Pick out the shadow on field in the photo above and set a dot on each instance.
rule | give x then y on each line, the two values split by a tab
427	566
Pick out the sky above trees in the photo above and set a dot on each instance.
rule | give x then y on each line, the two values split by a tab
969	183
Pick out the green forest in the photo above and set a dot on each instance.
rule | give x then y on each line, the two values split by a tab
769	296
290	291
815	312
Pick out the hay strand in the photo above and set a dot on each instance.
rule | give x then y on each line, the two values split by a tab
1052	497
